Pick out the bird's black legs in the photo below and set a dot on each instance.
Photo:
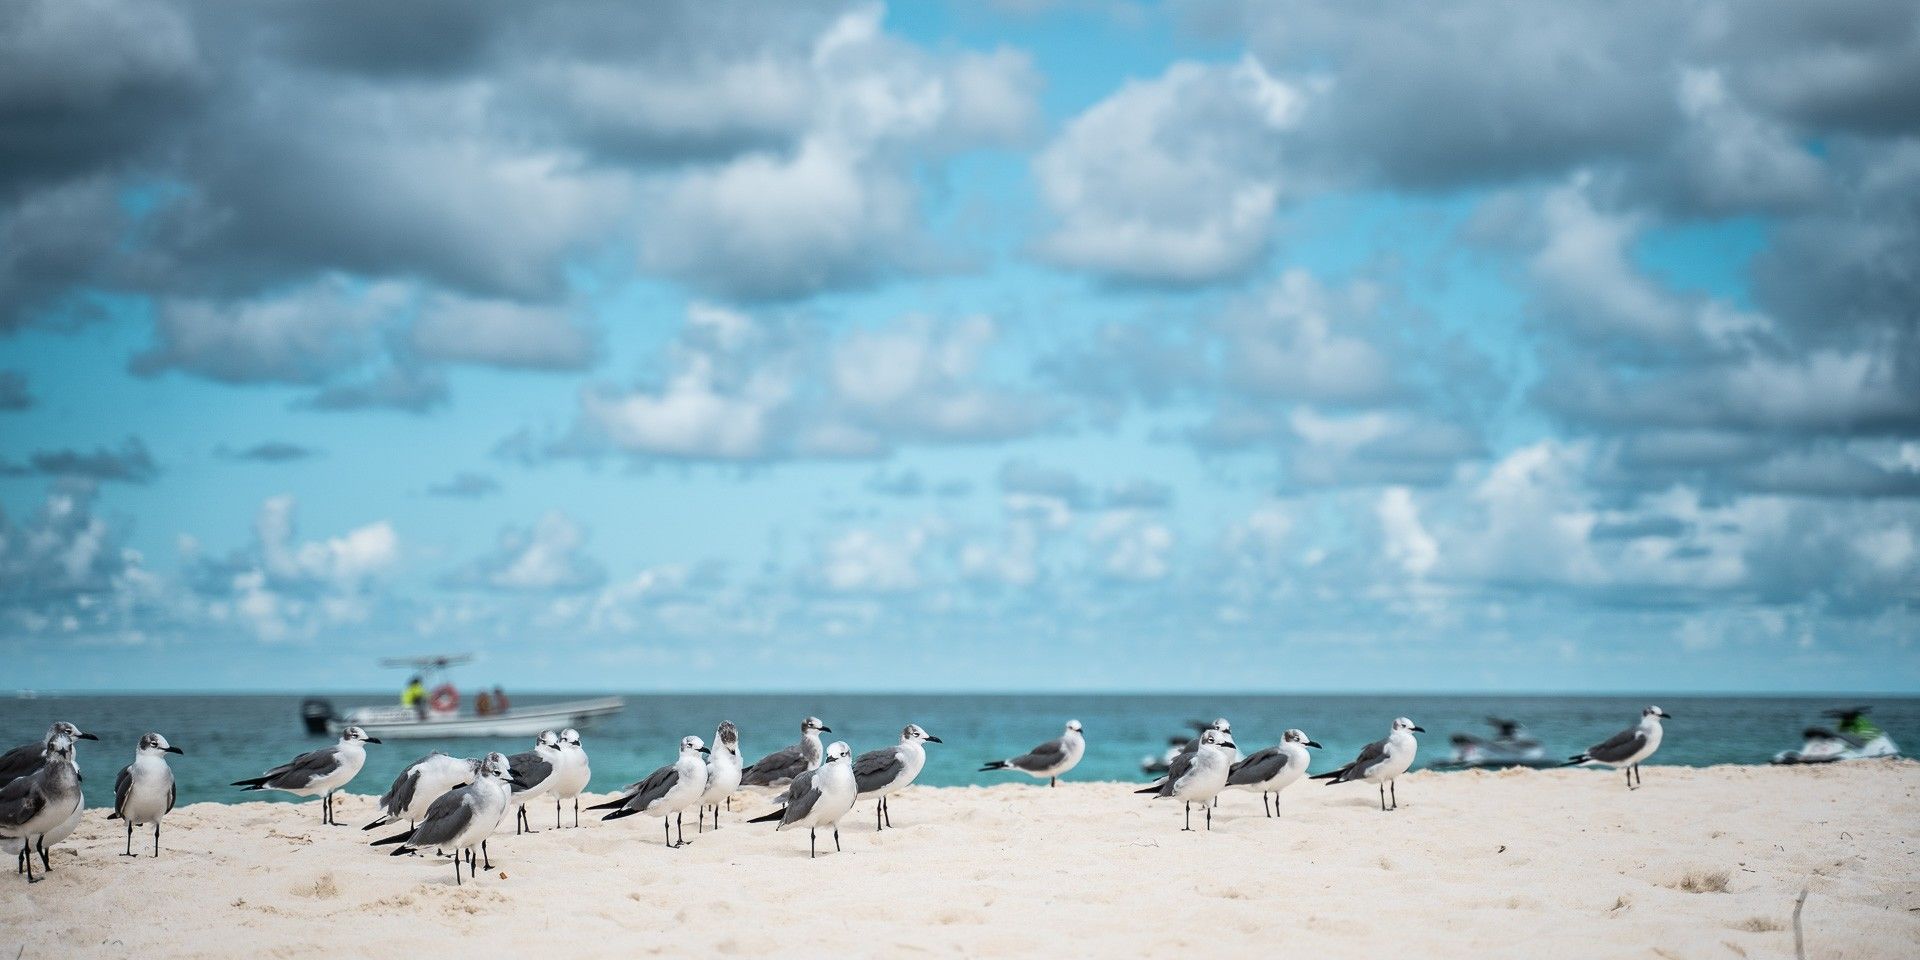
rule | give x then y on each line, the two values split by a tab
1263	804
26	859
129	852
556	813
680	822
1383	797
576	811
486	862
716	813
813	847
326	808
878	805
1188	804
522	823
46	865
1210	815
1053	781
456	867
887	809
156	838
666	831
836	838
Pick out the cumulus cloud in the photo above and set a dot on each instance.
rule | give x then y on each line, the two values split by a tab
130	463
548	557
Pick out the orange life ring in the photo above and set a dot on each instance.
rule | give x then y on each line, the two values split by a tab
445	699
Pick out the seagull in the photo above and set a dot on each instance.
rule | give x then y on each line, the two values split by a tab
420	784
882	772
533	772
34	805
27	757
819	798
1273	769
1628	747
143	793
1199	776
573	776
668	791
723	773
1381	761
319	772
463	818
777	769
1226	730
1050	759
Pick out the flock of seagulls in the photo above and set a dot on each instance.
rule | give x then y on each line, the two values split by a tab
454	805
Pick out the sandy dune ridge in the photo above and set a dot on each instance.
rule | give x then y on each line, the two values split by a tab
1700	863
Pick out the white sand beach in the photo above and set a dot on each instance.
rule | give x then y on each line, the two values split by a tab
1700	863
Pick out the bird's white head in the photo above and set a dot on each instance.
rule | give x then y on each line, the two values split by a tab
838	750
1403	725
1223	726
547	739
154	743
62	728
1655	713
692	745
1214	738
727	735
814	725
1073	726
570	737
59	748
1299	737
356	735
914	732
496	766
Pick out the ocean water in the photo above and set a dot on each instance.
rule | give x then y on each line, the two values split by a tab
230	737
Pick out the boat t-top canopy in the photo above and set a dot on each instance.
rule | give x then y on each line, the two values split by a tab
439	662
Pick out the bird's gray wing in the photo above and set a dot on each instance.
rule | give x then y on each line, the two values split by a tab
653	787
400	796
172	785
801	796
446	818
304	769
529	768
1260	767
21	761
20	801
1043	757
1370	757
122	784
1176	770
1620	746
877	768
776	766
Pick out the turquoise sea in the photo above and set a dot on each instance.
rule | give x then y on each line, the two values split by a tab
227	737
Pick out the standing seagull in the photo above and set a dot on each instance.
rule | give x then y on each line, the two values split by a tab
819	798
1199	776
319	772
143	793
27	757
1381	761
1273	769
573	776
666	792
463	818
36	804
420	784
1048	760
777	769
533	776
1628	747
723	773
882	772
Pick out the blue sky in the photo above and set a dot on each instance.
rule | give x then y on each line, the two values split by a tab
1024	345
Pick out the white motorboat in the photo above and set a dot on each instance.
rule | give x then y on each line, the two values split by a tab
439	714
1854	738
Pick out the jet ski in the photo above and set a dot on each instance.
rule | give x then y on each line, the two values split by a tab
1852	737
1510	746
1156	765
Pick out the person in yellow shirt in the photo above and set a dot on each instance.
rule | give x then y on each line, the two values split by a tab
415	697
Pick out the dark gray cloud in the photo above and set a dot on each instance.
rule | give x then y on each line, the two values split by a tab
129	463
401	388
465	485
271	451
14	394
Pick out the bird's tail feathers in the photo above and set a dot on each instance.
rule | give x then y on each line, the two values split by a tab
995	765
771	817
396	838
1576	760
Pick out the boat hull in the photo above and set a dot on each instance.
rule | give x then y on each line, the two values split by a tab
395	723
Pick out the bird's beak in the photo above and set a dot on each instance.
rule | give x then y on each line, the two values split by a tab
826	729
1419	729
706	750
373	739
1230	745
1315	744
933	739
88	736
176	750
1665	715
